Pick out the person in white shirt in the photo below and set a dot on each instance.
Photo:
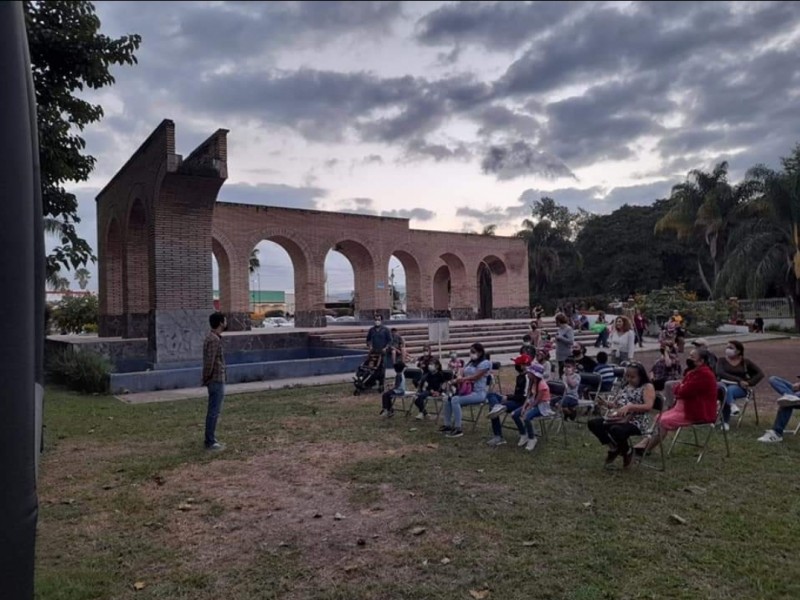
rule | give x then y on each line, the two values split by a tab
622	340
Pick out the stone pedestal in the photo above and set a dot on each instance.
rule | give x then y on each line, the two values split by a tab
176	337
463	314
238	321
310	318
136	325
511	312
111	326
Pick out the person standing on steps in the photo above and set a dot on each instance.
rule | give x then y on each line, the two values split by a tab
214	377
379	339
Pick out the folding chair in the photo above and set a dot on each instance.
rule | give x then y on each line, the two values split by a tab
751	397
639	461
496	366
710	426
795	430
543	421
437	400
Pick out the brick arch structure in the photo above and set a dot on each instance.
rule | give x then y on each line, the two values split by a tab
493	268
418	302
176	205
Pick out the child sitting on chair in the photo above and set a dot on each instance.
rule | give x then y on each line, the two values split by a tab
399	389
569	401
455	365
536	405
512	401
430	386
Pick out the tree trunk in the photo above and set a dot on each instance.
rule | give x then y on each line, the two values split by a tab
704	280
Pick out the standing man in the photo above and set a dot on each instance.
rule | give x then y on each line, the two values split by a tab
379	338
214	377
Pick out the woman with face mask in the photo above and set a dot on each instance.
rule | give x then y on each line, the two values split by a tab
623	340
475	373
737	374
431	385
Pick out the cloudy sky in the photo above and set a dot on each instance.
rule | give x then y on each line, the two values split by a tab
455	115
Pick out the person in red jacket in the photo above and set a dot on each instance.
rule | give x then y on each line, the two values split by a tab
695	399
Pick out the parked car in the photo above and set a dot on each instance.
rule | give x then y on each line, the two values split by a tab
345	319
330	319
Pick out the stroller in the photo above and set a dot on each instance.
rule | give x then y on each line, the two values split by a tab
369	372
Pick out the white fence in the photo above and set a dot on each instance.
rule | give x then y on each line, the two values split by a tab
768	308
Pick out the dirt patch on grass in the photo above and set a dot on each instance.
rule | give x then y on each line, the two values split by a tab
288	500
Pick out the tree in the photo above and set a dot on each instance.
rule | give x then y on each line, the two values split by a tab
489	230
706	207
82	276
623	255
74	313
68	54
552	258
61	284
765	251
254	263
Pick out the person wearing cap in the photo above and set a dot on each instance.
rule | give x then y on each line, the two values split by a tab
537	404
512	401
702	344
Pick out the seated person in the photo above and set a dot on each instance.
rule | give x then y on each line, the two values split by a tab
631	415
695	400
606	372
568	403
543	360
758	324
425	359
737	375
536	405
788	401
667	367
430	385
584	363
455	365
472	388
399	389
512	401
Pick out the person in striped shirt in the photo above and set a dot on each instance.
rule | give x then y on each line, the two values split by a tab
606	372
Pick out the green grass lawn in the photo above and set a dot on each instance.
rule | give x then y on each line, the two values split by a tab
129	496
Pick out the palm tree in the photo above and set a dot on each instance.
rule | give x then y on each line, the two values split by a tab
706	207
489	230
543	252
254	263
61	284
765	251
82	276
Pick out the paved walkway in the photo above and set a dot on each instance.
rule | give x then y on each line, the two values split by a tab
650	344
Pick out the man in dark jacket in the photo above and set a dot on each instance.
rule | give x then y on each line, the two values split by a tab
379	339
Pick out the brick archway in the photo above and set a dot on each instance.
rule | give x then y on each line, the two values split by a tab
111	282
441	291
170	222
416	305
492	283
136	299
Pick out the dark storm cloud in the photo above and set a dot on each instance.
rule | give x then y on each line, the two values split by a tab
420	149
271	194
493	25
420	214
706	80
519	159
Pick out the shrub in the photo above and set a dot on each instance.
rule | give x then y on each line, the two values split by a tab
343	312
91	328
74	313
83	371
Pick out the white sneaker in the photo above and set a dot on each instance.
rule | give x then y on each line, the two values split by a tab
735	409
523	439
496	441
531	444
497	410
770	437
726	426
788	400
421	417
